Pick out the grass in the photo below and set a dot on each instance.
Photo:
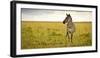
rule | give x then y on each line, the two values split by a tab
52	35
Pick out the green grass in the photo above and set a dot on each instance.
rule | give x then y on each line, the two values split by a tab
52	35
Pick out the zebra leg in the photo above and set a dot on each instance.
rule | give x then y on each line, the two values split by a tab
67	35
71	37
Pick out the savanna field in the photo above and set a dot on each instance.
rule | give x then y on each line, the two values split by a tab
52	35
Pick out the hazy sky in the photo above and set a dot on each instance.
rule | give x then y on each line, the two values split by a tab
54	15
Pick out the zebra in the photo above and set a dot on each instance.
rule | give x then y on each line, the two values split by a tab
70	28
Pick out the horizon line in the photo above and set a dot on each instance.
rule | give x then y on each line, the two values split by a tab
55	21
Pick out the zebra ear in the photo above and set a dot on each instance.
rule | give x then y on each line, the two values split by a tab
66	14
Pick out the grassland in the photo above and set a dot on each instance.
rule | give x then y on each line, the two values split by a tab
52	35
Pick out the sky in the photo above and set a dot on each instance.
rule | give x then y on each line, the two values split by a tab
54	15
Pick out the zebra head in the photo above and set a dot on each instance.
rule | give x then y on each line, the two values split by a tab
67	19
